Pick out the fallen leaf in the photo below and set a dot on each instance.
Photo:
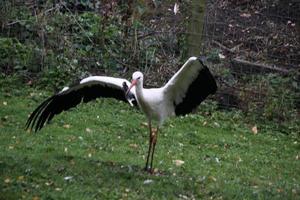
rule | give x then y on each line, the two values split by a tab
67	126
21	178
212	178
246	15
279	190
178	162
239	159
67	178
183	196
145	124
88	130
49	183
36	198
133	145
254	130
217	124
7	180
176	8
148	181
29	82
221	56
270	183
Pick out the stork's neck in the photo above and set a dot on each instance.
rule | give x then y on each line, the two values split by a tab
139	89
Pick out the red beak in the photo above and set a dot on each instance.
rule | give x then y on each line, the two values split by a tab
133	83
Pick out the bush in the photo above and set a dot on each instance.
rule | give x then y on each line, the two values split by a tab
14	56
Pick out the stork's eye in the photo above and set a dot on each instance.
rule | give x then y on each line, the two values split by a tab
139	78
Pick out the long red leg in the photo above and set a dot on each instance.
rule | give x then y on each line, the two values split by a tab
150	144
154	140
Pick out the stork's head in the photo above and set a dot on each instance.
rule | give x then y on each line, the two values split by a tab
137	79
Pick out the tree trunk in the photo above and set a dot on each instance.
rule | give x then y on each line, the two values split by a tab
195	27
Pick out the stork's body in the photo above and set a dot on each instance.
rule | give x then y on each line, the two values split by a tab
152	103
183	93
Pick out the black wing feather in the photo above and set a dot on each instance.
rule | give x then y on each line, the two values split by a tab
70	98
200	88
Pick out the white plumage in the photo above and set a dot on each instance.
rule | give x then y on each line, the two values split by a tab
160	103
182	93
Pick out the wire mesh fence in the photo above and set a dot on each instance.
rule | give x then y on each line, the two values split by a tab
254	47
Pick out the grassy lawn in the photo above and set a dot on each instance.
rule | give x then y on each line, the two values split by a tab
97	151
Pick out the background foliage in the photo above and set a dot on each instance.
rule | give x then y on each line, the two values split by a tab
53	43
107	37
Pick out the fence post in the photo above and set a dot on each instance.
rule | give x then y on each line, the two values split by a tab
195	27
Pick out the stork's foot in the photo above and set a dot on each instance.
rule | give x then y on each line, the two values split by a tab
149	170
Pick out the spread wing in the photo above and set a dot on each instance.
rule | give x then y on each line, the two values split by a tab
190	86
87	90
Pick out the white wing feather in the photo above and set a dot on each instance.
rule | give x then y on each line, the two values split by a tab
176	88
114	82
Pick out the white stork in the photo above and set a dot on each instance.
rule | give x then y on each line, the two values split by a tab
181	95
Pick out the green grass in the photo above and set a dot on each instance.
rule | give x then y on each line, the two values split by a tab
100	148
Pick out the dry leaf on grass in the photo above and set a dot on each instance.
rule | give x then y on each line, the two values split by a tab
176	8
254	130
7	180
145	124
148	181
212	178
246	15
66	125
178	162
133	146
88	130
67	178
